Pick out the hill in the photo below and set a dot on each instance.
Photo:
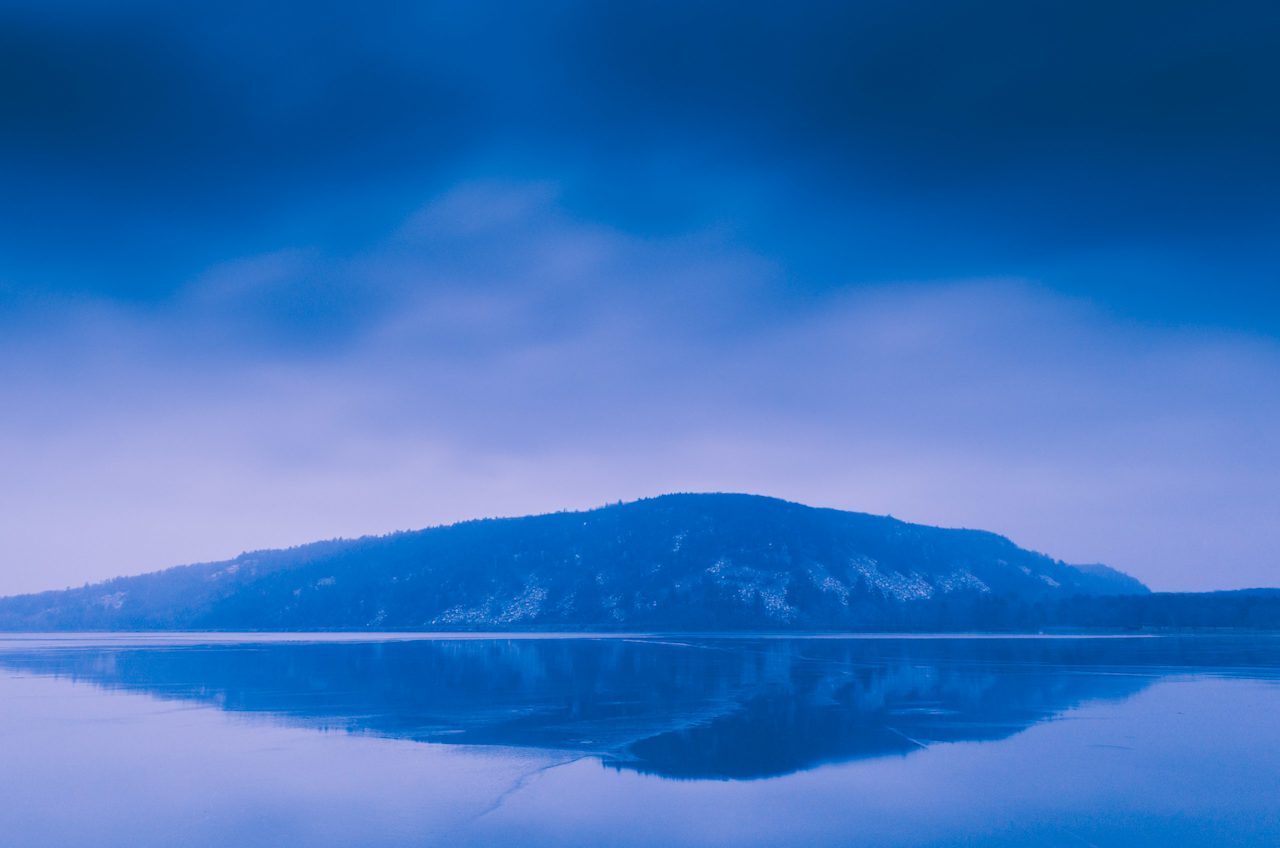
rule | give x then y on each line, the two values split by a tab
705	561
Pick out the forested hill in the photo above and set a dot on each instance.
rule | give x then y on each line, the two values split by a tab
715	561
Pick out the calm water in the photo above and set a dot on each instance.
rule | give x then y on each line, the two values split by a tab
656	741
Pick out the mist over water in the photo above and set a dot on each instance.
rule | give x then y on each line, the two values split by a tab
389	741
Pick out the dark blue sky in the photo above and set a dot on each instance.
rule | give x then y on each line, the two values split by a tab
268	274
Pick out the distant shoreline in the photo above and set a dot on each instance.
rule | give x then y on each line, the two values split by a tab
346	636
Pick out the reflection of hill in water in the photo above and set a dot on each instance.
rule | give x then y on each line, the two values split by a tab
707	708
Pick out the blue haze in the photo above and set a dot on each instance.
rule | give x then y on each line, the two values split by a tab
261	740
269	276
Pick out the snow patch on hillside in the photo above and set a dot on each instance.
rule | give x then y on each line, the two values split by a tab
525	605
894	584
962	581
115	600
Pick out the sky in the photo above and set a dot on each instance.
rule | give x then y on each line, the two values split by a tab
272	273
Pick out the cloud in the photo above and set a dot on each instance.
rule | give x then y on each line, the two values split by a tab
495	354
859	142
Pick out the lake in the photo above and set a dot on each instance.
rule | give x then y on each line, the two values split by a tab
412	740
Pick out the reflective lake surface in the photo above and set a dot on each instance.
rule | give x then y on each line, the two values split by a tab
248	741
